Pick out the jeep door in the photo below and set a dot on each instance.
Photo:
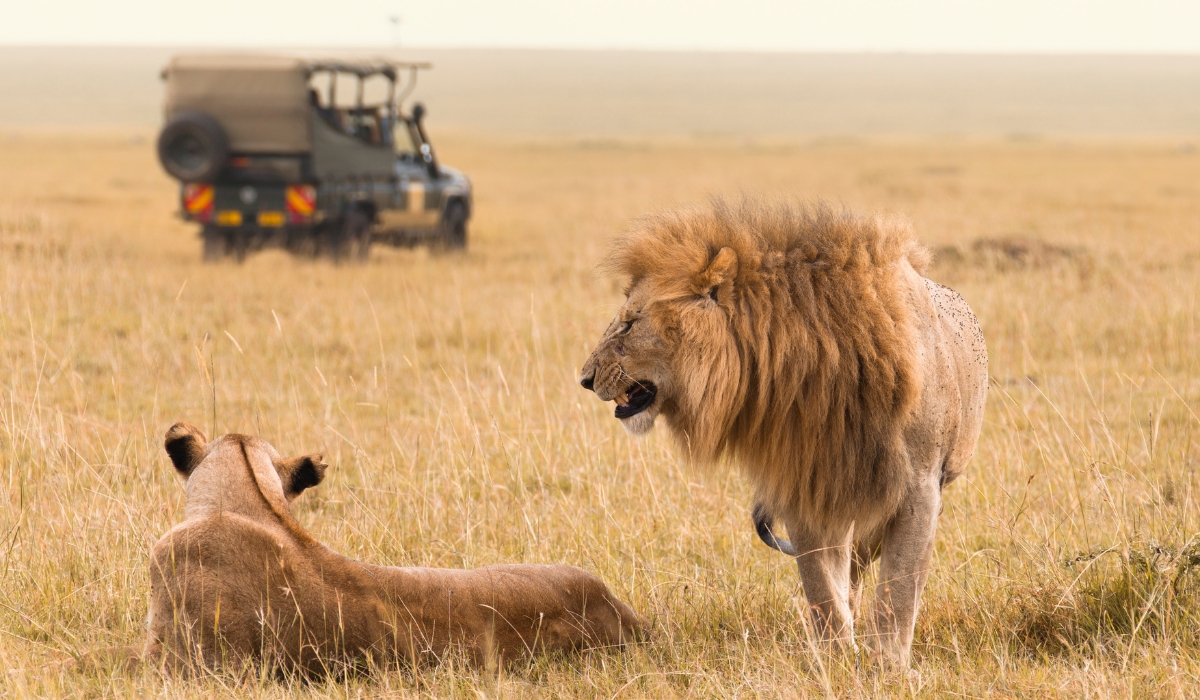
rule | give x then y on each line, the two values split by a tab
416	202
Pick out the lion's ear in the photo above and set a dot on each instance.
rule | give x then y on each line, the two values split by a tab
300	473
719	274
185	445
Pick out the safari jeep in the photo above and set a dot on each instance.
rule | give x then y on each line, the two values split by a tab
313	156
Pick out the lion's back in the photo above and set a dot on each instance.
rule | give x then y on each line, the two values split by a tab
964	379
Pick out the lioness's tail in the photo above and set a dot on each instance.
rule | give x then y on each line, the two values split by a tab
762	525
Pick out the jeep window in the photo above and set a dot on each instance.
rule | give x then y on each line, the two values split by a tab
366	124
402	138
356	106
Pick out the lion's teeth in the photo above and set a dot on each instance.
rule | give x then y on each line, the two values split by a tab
622	398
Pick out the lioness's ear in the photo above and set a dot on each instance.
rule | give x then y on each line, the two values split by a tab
185	445
719	274
300	473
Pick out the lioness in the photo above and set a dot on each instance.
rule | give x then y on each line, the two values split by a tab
807	346
240	580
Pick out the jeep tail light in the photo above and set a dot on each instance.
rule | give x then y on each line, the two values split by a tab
301	202
198	202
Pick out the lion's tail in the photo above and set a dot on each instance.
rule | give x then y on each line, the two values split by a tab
762	525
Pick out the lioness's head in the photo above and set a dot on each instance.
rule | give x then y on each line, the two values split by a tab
670	343
237	473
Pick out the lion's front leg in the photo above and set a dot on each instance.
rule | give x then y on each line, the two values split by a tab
824	563
907	551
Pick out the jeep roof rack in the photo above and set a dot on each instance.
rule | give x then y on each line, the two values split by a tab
281	63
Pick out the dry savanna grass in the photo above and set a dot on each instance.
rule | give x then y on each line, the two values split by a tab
442	391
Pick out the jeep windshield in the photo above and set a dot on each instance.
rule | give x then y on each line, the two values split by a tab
406	146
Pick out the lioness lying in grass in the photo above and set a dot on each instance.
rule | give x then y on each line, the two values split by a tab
241	581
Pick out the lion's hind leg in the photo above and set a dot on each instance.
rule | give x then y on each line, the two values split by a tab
866	551
906	553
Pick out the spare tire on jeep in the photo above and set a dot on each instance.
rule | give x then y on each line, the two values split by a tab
193	147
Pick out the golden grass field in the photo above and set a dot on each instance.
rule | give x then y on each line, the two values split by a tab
442	391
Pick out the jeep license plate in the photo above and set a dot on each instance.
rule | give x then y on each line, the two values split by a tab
272	219
229	217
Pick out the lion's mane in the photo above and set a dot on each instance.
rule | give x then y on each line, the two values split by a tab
812	380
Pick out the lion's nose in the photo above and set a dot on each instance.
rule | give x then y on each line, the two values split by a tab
587	380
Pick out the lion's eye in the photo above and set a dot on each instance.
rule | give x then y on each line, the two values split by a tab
625	328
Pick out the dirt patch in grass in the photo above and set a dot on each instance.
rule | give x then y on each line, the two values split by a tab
1014	253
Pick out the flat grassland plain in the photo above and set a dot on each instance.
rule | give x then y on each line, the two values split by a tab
441	389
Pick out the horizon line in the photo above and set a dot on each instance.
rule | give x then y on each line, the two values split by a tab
1000	53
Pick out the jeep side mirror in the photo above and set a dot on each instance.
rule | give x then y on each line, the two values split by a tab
418	112
428	159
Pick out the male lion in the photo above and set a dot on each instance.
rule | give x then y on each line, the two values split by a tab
240	580
806	346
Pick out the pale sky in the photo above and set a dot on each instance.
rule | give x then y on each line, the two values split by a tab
1004	26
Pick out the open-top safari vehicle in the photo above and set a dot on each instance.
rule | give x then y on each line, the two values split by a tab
272	151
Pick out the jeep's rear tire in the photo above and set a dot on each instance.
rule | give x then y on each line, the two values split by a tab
357	235
453	227
346	238
216	244
193	147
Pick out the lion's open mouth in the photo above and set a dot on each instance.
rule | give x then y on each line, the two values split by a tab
635	399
